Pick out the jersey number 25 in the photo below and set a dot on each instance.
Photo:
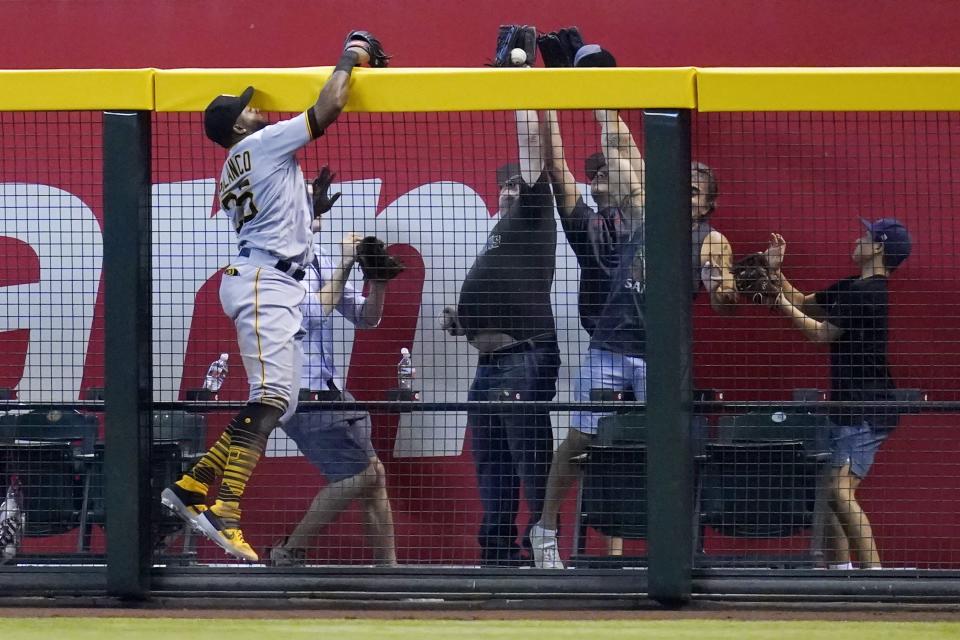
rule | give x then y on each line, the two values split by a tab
240	197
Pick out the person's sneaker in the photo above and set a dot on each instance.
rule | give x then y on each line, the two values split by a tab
281	556
187	505
227	538
546	554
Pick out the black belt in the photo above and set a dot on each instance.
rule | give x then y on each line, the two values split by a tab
292	269
520	346
330	394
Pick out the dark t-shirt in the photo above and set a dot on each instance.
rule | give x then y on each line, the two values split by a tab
595	237
858	358
621	326
507	289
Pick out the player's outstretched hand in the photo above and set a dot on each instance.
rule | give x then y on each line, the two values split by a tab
369	45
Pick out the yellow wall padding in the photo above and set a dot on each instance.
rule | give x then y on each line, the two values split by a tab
393	90
829	89
424	90
76	90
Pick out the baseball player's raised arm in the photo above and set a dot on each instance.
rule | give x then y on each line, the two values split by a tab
336	90
625	164
564	184
361	48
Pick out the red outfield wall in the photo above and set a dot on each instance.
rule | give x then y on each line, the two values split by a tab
434	498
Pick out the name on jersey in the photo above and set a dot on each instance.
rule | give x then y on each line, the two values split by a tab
637	286
236	166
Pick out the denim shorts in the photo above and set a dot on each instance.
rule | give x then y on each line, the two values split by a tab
335	442
604	369
856	446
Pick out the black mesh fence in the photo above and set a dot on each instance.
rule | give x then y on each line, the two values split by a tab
51	339
823	414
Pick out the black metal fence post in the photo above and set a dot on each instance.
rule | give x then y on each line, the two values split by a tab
127	361
669	389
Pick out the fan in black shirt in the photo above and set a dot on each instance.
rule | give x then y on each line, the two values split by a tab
504	311
852	316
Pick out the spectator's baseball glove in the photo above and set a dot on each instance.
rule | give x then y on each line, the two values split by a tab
378	57
515	36
375	262
558	48
754	279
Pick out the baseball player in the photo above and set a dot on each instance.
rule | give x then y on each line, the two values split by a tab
262	193
852	316
337	442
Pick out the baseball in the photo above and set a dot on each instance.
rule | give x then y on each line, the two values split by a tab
518	56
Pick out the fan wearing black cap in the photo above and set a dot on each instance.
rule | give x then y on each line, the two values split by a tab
504	310
262	192
852	316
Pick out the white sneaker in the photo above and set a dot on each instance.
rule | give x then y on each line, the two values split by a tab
546	555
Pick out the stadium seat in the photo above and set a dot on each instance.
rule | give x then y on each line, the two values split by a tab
760	476
51	453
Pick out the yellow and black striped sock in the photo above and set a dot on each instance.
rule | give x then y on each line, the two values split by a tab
246	447
211	465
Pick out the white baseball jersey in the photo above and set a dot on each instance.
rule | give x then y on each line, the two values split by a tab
262	191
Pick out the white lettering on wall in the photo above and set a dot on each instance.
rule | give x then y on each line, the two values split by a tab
446	222
58	310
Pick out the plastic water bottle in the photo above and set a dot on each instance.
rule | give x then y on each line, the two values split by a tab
216	374
405	371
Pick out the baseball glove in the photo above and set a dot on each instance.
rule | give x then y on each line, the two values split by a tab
322	200
378	57
375	262
559	47
515	36
755	280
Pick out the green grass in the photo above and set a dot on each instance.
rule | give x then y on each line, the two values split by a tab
287	629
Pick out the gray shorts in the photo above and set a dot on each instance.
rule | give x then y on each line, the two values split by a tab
856	446
335	442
